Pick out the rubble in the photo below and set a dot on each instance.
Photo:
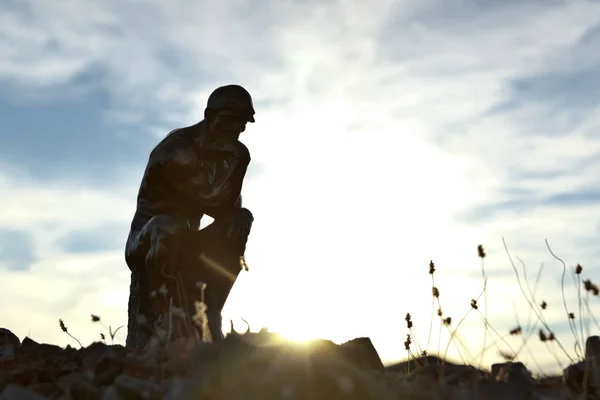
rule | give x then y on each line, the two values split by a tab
262	365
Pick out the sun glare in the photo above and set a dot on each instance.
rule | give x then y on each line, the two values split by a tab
297	336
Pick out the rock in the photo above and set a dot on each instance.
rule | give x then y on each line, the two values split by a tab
31	346
316	370
262	365
447	374
583	376
592	346
106	362
511	380
137	389
415	363
107	369
511	372
7	352
28	343
362	352
437	370
9	343
79	385
16	392
111	393
8	338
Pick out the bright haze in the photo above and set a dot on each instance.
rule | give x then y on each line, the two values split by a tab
387	134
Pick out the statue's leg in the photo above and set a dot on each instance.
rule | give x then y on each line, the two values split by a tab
148	252
218	266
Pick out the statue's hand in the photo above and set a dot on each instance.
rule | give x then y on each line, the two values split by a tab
242	152
241	224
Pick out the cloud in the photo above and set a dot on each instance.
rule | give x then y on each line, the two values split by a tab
16	249
46	141
106	237
387	135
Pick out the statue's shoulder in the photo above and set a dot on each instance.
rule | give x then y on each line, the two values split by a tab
177	146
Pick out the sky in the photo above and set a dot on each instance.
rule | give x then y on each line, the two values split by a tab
387	134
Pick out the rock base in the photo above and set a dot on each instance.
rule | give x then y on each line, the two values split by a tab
259	366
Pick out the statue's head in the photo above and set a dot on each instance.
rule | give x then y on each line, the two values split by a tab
229	108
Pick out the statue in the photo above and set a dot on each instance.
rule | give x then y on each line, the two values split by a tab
194	171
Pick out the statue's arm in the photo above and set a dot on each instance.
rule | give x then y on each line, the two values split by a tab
179	162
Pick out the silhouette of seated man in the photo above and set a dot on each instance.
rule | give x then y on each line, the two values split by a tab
194	171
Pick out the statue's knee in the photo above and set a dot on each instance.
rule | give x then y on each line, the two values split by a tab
245	213
135	253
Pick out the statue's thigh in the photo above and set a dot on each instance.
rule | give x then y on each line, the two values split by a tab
157	239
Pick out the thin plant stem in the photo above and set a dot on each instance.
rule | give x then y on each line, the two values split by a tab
483	276
487	324
581	332
527	298
432	312
453	333
562	289
587	304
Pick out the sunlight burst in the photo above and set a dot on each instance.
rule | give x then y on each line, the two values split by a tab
297	336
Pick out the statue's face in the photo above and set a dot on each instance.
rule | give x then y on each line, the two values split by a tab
227	125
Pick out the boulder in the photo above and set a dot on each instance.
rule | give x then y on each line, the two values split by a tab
584	376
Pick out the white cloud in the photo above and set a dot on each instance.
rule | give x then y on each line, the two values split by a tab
372	133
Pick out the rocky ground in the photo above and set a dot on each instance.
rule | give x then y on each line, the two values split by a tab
262	366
